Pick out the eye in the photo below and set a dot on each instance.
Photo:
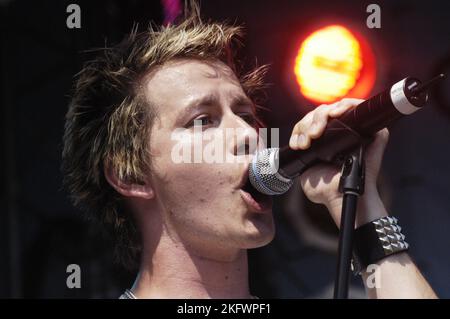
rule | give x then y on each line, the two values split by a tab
203	120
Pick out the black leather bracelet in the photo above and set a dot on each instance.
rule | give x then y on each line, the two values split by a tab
377	240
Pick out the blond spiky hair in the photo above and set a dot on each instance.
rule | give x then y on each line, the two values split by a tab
109	120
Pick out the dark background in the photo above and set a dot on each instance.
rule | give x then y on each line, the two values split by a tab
41	233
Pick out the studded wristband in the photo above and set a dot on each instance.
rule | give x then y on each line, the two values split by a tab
375	241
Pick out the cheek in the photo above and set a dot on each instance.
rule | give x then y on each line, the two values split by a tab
198	198
199	180
183	184
193	185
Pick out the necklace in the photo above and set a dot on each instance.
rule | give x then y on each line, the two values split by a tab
128	294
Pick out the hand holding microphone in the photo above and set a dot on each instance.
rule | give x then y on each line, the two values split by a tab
320	182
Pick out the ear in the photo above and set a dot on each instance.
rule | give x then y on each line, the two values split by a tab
128	188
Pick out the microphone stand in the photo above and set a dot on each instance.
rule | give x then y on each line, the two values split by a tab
351	185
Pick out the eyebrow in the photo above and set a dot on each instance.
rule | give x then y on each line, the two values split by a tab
241	100
237	100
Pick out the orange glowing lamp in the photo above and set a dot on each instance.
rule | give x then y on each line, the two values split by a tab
333	63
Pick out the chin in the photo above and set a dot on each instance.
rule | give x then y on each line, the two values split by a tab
260	232
259	242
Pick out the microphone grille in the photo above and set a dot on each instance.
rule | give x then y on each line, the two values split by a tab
264	176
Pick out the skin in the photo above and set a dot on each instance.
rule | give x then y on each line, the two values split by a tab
196	227
398	276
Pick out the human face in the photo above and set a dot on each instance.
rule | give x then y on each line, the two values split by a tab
203	204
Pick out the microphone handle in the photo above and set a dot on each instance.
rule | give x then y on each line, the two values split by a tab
336	141
353	128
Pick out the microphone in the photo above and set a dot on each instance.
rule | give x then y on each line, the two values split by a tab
273	169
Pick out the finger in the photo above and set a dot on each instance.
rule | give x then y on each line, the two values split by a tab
316	127
312	126
302	125
342	106
299	129
319	122
299	141
303	141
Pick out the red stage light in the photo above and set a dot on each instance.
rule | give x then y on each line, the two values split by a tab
333	63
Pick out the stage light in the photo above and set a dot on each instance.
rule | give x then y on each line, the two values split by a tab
333	63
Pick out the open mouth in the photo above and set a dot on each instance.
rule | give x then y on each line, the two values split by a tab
257	201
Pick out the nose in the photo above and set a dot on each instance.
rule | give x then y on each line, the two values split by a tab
242	138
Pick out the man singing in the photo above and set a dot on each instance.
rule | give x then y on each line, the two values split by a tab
186	227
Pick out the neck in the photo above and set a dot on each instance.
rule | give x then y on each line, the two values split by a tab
170	270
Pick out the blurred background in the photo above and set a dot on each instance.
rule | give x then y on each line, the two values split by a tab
41	233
